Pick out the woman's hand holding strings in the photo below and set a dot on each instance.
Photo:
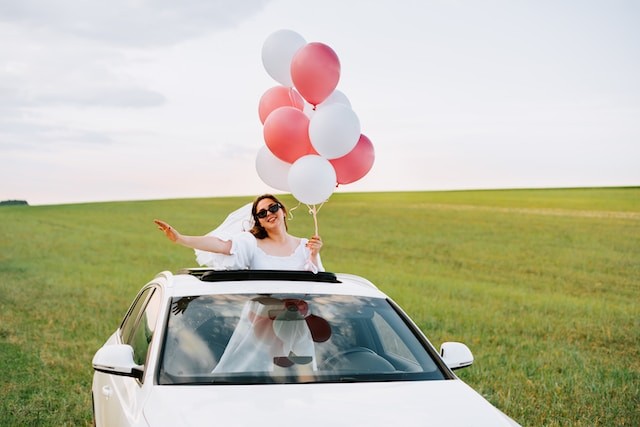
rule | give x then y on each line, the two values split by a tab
314	244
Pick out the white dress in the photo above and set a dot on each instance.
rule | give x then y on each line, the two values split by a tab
245	253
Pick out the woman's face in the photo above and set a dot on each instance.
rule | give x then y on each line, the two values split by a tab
272	219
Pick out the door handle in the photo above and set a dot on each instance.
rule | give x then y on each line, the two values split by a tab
106	391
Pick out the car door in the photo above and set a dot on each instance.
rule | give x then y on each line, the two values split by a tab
121	397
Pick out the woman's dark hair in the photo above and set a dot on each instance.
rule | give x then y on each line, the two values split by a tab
258	231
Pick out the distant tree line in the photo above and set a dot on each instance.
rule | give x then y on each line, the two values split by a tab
13	202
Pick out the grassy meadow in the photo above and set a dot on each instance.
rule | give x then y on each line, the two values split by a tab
542	285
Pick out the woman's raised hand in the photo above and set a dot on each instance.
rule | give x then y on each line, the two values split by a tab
168	230
314	244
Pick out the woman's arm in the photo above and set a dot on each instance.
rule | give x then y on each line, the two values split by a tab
204	243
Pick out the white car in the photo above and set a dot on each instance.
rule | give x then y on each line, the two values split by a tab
273	348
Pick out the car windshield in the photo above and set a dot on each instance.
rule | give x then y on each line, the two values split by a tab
255	339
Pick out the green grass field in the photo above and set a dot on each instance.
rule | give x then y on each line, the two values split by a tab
542	285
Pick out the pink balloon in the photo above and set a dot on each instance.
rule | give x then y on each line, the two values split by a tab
356	164
278	96
315	71
286	133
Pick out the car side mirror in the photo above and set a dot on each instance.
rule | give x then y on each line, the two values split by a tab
456	355
117	359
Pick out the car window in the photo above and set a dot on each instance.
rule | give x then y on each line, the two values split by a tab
247	339
131	318
140	326
143	332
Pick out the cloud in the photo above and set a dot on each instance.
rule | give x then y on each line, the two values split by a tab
76	53
61	59
59	87
129	22
23	134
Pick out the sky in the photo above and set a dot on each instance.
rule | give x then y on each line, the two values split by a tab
141	99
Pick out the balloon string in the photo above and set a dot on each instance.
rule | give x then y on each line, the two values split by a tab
314	211
315	219
291	211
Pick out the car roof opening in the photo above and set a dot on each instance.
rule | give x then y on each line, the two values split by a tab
209	275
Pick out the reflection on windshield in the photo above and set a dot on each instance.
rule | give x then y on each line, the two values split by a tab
273	332
290	338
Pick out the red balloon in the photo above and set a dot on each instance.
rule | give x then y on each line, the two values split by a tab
319	328
278	96
315	71
286	133
356	164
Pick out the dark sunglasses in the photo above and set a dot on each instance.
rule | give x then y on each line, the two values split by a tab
262	213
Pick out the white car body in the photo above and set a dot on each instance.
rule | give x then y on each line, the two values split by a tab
131	393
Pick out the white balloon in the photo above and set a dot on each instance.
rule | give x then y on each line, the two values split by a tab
336	97
271	170
277	51
334	130
312	179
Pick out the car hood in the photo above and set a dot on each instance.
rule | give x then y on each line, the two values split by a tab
411	403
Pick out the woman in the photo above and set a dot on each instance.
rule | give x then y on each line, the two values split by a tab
266	246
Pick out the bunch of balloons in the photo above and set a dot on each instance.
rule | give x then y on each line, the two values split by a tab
312	136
